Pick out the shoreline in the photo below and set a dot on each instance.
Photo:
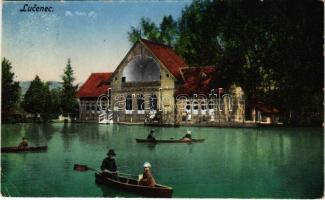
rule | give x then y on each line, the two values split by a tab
221	125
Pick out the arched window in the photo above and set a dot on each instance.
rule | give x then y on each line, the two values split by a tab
195	107
141	69
188	106
128	103
140	102
203	107
153	102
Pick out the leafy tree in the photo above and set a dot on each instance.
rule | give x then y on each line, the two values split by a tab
69	103
274	54
35	99
56	101
9	88
263	46
134	35
165	33
48	102
168	31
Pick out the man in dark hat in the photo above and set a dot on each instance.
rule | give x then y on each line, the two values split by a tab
108	166
150	136
23	144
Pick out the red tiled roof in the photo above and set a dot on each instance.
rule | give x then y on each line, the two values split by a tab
172	61
198	80
96	85
265	108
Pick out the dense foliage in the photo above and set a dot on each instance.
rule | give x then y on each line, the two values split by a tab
272	49
9	89
36	98
69	103
165	33
39	100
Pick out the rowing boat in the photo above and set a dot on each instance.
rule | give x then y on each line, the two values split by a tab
132	185
18	150
169	141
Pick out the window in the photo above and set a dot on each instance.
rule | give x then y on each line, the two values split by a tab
123	79
203	107
128	102
188	106
87	107
211	105
195	107
140	102
167	75
153	102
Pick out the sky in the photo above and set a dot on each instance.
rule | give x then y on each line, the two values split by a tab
93	34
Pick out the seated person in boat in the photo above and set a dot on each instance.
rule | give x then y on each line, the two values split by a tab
108	166
23	144
147	178
150	136
188	136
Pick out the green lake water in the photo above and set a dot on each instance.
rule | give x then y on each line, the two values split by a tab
238	163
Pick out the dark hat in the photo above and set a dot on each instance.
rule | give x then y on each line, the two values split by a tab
111	152
24	138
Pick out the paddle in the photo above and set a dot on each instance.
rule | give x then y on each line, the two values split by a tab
82	168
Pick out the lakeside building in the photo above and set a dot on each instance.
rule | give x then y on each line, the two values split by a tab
154	84
96	85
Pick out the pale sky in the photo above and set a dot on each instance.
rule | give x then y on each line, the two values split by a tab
92	33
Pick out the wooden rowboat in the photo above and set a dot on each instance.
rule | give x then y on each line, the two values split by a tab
132	185
19	150
169	141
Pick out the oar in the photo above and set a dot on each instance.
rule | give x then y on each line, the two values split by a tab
82	168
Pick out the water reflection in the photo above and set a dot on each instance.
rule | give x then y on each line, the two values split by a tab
113	192
68	131
38	134
240	163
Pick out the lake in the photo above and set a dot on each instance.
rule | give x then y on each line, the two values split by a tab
231	162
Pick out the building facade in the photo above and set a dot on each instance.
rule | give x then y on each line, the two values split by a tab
93	97
154	84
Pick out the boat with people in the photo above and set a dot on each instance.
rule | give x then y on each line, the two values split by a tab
24	149
134	186
169	141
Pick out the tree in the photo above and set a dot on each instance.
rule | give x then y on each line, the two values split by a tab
35	99
9	88
69	103
265	47
56	101
166	33
274	54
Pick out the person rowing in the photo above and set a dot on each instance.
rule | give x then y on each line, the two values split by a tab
108	167
147	178
188	136
150	136
23	144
